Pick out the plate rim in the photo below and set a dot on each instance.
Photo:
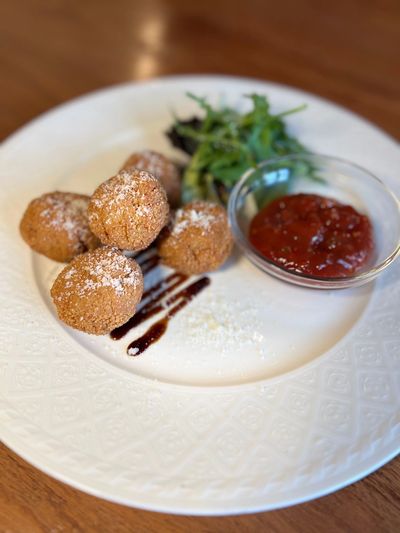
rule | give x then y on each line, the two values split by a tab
304	368
190	76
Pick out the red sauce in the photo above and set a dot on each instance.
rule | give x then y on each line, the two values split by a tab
314	235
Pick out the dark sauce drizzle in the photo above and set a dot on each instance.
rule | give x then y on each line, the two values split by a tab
149	264
156	331
152	304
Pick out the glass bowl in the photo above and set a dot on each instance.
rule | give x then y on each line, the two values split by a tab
333	177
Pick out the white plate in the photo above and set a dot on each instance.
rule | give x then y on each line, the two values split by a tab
260	394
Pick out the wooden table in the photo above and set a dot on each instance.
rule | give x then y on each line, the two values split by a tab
347	51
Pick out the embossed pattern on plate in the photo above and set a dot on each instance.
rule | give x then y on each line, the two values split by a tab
215	450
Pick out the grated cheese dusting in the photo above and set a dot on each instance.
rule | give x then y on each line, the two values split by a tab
198	216
70	273
129	210
102	268
133	351
224	327
68	212
148	160
125	186
143	210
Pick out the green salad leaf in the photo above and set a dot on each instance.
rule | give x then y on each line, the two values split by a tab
224	143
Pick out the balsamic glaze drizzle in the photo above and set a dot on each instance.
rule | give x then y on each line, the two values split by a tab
152	303
156	331
149	264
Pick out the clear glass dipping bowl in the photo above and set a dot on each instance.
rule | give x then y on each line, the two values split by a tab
338	179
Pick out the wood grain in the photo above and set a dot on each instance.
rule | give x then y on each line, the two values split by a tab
32	502
347	51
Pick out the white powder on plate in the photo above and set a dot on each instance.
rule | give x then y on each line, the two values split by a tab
222	327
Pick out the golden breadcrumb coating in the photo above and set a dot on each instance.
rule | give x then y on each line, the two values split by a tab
98	291
197	240
129	210
56	225
162	168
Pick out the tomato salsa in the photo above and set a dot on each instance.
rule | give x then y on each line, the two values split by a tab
314	235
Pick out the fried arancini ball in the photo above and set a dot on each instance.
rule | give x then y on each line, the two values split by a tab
197	240
98	291
56	225
129	210
162	168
